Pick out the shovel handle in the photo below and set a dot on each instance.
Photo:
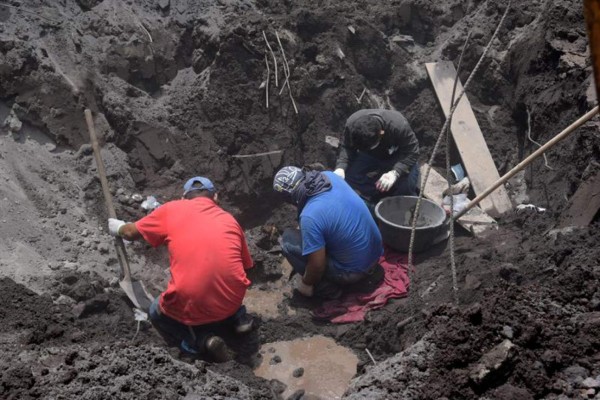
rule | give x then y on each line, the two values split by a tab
566	132
119	245
100	164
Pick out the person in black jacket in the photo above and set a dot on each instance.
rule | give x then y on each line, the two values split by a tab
378	155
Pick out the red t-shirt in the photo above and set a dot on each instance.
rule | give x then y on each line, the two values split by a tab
208	254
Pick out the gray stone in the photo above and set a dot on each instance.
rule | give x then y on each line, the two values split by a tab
575	374
507	331
591	383
164	4
298	372
275	360
491	362
64	300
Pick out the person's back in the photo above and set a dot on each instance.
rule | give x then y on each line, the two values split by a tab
340	219
208	255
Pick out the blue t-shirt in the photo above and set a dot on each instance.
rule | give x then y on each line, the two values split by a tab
340	221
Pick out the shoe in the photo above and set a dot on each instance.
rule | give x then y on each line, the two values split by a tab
217	348
244	324
327	291
188	348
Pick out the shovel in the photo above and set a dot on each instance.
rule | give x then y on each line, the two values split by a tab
134	289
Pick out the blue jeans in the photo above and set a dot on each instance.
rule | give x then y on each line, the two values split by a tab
291	247
364	171
193	337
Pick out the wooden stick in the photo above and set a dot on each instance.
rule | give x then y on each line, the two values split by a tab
371	355
257	154
274	59
287	68
25	10
100	165
267	85
528	160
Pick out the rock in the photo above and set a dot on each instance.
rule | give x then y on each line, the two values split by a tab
298	372
275	360
472	282
12	122
575	374
491	362
103	248
277	386
403	39
590	93
507	331
553	233
590	383
64	300
164	4
70	266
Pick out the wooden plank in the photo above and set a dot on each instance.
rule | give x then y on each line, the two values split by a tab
475	220
585	203
475	155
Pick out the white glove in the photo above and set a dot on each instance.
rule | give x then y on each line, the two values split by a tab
340	172
114	225
387	180
303	288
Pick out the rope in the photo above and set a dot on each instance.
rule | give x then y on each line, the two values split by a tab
445	128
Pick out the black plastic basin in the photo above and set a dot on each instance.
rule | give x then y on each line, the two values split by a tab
395	219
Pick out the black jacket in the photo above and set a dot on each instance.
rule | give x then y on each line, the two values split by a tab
398	143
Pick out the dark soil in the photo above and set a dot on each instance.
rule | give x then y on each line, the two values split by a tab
175	88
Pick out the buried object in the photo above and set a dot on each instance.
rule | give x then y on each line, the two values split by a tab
395	219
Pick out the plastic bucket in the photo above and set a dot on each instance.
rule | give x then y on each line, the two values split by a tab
395	219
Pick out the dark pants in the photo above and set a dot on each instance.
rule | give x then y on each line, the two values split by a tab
291	247
188	337
364	171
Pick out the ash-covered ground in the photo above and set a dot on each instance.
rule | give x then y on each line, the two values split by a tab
175	88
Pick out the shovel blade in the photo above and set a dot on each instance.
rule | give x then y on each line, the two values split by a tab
137	293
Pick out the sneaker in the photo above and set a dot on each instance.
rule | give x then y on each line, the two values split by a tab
217	348
244	324
188	348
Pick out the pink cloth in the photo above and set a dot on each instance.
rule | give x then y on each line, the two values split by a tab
352	307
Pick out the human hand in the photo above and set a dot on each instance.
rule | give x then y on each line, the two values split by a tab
303	288
340	172
387	180
114	225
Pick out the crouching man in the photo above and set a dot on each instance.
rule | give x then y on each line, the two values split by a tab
338	242
209	257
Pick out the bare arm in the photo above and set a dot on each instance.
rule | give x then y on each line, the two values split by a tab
315	268
129	232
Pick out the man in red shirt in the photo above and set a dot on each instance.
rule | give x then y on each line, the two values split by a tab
209	257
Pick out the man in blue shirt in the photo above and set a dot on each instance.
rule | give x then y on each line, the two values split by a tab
338	242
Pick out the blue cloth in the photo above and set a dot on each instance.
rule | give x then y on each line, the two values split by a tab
341	222
191	339
365	170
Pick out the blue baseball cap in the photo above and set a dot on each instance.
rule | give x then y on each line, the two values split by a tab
287	179
198	183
